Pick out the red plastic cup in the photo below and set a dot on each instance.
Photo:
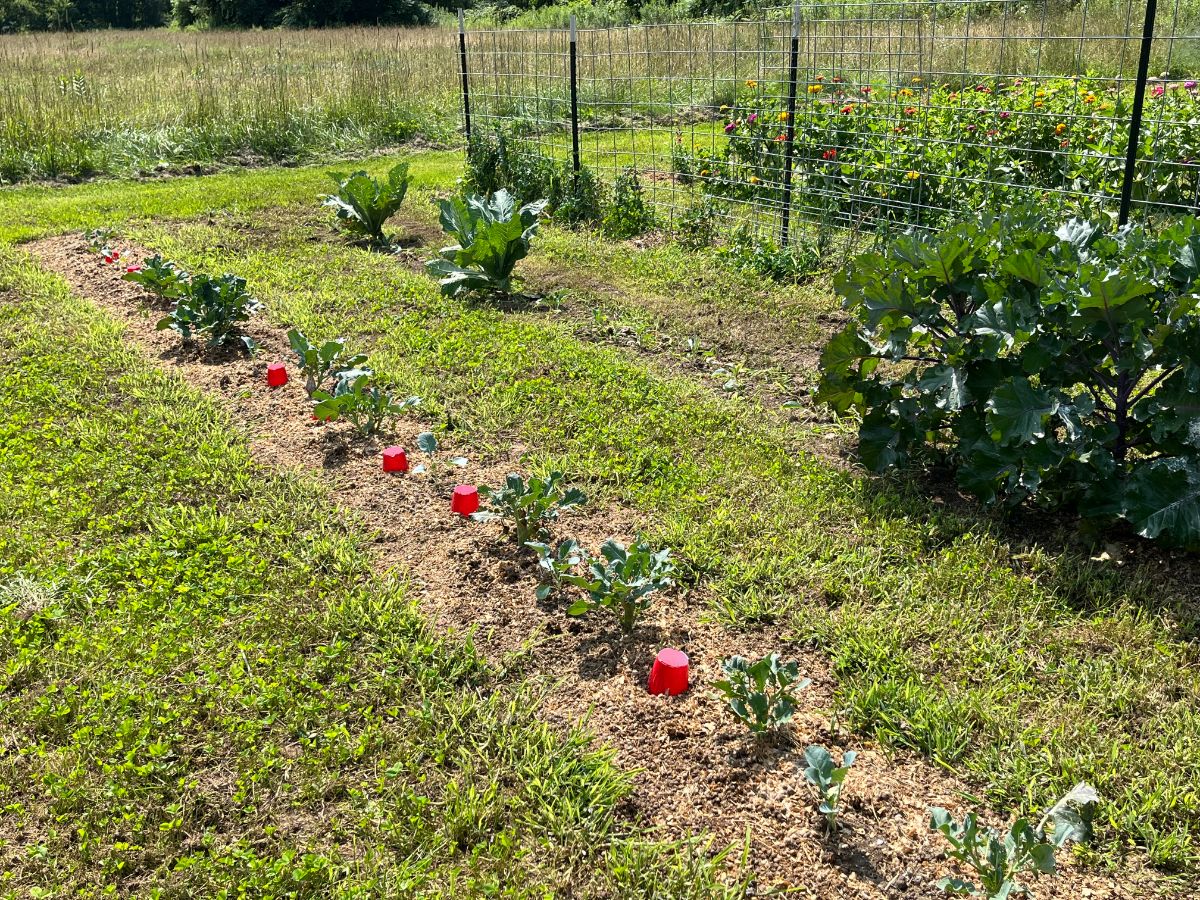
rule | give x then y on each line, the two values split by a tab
466	499
276	375
669	675
395	460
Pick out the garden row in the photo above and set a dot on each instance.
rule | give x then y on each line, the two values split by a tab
623	580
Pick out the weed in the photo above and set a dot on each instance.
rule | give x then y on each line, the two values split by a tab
628	214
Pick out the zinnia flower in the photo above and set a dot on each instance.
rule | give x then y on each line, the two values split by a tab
783	116
848	108
730	127
1060	128
912	175
910	110
1005	114
814	88
866	90
1158	90
1190	85
829	154
752	118
751	83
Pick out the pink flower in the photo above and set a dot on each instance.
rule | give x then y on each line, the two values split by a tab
752	118
1190	85
1158	90
729	127
1005	114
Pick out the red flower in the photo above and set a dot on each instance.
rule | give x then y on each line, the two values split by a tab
829	154
781	137
910	110
848	108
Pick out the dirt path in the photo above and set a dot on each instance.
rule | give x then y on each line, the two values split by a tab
697	768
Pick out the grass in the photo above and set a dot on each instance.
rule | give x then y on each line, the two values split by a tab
1018	661
209	693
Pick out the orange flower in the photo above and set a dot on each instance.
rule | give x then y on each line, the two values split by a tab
848	108
1060	128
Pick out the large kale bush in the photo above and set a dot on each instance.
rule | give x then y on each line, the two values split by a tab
1058	364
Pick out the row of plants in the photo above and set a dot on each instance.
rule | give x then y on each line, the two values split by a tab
924	153
764	694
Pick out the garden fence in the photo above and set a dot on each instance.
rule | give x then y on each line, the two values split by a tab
863	115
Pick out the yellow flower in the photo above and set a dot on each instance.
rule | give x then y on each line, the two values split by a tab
704	172
916	79
1090	98
1038	104
754	179
912	175
1060	128
783	116
1040	94
751	83
814	89
724	109
905	92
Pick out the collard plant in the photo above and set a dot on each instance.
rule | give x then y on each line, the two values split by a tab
493	235
212	306
828	778
622	581
1058	364
529	505
363	204
323	363
366	405
160	277
1000	859
762	694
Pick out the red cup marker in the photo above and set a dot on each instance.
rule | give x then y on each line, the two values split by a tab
395	460
466	499
670	672
276	375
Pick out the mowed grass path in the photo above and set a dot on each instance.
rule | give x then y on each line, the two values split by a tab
1020	662
206	691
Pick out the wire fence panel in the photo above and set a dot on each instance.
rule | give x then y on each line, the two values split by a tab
906	113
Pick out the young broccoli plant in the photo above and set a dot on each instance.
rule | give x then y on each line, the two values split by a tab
98	239
160	277
363	204
212	306
555	563
828	778
493	236
529	505
427	443
364	404
999	859
320	363
762	694
623	581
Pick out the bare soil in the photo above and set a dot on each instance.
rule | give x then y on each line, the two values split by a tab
696	768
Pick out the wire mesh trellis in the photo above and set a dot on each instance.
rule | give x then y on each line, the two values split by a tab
906	113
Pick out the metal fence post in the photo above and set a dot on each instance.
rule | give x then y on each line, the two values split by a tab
1135	119
791	126
574	99
462	64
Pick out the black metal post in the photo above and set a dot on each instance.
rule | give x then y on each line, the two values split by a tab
462	64
1135	119
791	127
574	99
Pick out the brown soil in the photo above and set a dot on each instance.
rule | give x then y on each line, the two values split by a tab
696	768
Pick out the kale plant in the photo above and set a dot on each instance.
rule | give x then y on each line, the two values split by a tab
213	306
493	236
622	581
1059	365
363	204
762	694
355	398
999	859
529	505
828	778
320	363
161	277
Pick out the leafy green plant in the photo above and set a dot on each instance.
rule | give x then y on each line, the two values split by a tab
576	198
493	236
628	214
161	277
747	251
504	159
529	505
363	204
213	306
828	778
554	563
999	859
98	238
427	443
761	694
622	581
697	228
323	362
364	404
1061	364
